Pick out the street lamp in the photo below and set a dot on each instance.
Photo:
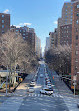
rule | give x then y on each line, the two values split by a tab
74	80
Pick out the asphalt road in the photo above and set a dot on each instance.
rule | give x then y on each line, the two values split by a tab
39	102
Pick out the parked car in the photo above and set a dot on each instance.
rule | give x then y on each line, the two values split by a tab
78	105
31	89
32	83
46	91
41	75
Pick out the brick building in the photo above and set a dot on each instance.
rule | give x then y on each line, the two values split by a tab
67	13
27	33
75	44
4	23
66	34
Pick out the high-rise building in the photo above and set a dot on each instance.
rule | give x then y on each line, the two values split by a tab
4	23
67	13
51	39
66	34
47	44
38	46
59	24
75	44
27	33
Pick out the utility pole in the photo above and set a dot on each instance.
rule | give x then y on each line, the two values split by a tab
74	82
6	80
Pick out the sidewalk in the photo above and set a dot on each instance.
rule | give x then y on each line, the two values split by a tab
68	96
22	86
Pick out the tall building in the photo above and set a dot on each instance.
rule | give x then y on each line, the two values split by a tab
67	13
56	37
59	24
38	46
47	44
27	33
75	44
66	34
4	23
74	0
51	39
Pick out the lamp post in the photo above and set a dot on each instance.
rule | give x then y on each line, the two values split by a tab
6	80
74	82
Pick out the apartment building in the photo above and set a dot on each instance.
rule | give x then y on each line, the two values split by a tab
66	34
27	33
67	13
75	44
4	23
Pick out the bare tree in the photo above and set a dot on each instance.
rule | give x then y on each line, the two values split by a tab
59	59
15	51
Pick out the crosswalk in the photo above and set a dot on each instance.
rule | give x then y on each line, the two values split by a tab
38	95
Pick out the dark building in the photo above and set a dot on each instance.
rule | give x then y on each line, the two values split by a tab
75	44
4	23
66	34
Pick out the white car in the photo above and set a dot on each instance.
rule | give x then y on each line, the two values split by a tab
31	89
41	75
46	91
32	83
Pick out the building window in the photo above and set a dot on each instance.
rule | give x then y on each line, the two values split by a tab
78	6
76	44
76	37
2	31
76	52
2	16
76	29
76	68
77	22
78	14
2	21
2	26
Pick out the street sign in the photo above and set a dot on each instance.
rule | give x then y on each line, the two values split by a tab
74	77
74	83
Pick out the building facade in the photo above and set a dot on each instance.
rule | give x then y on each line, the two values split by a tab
66	34
38	46
59	24
67	13
47	44
75	44
27	33
4	23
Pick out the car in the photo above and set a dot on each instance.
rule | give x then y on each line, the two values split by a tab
32	83
41	75
46	91
78	105
31	89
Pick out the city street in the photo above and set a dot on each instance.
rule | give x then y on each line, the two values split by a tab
20	100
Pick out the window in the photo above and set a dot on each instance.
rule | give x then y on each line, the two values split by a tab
76	68
2	21
76	37
76	29
76	21
78	14
76	52
2	31
76	44
71	16
2	26
78	6
2	16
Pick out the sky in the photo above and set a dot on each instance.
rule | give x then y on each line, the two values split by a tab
42	15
